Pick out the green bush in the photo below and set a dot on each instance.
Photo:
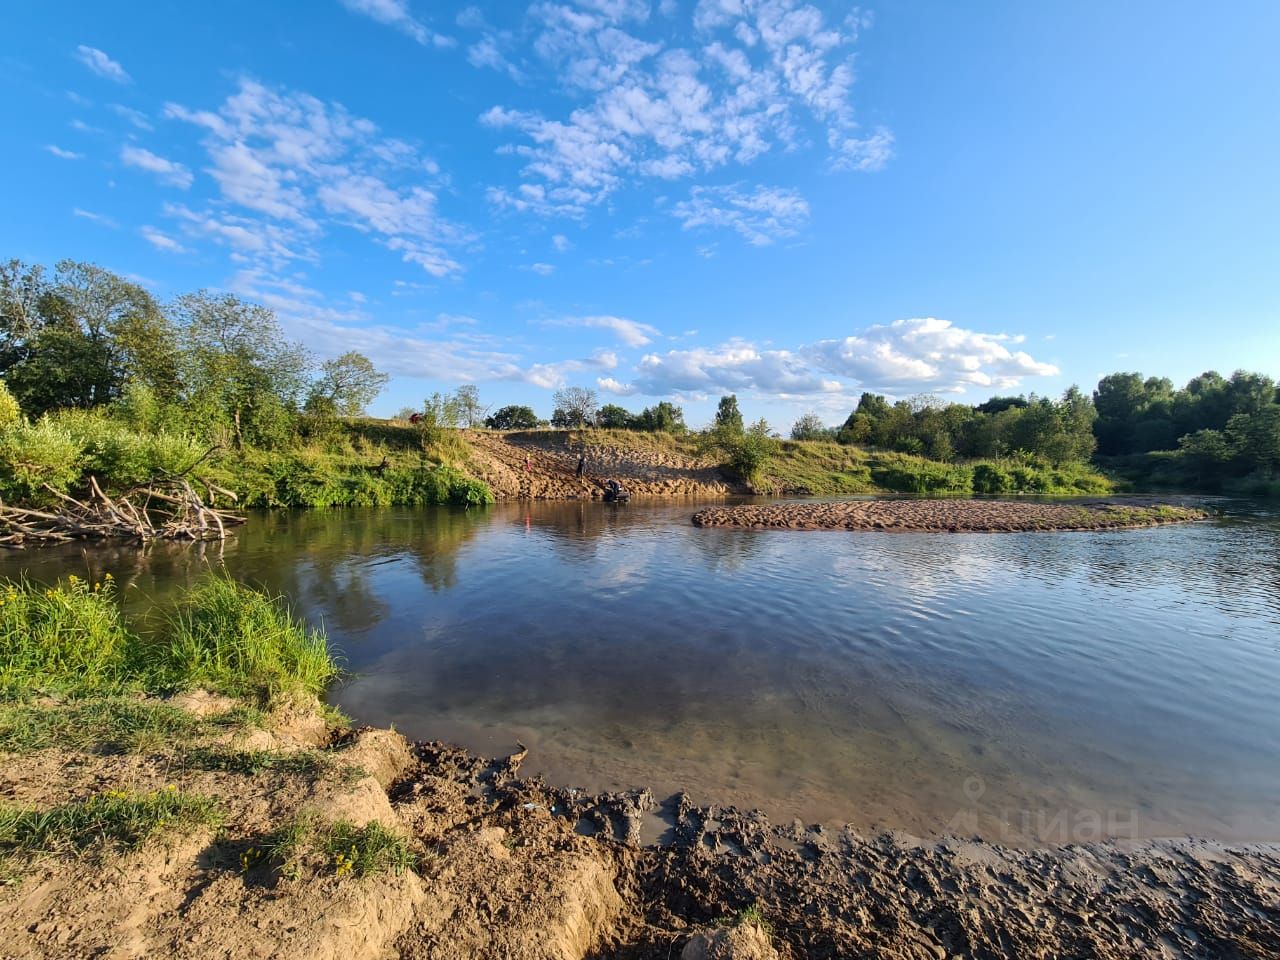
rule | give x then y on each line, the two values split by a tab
10	412
913	475
33	455
989	478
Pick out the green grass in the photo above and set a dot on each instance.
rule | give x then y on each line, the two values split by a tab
70	640
115	819
112	723
66	638
367	850
239	641
342	847
309	763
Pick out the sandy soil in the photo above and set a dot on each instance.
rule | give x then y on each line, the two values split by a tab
512	868
953	515
499	460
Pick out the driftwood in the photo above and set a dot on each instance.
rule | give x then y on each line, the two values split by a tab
168	508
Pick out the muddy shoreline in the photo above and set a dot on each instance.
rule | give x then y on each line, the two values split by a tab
949	515
508	866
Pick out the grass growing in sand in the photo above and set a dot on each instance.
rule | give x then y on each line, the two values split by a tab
116	819
230	638
341	847
69	640
113	724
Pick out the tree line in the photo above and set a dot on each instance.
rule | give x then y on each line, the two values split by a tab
205	363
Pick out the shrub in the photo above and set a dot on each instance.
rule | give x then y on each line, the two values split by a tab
989	478
912	475
35	454
229	637
10	412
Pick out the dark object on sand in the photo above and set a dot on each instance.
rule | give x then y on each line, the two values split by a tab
614	492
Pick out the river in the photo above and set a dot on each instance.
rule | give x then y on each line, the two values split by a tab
1021	687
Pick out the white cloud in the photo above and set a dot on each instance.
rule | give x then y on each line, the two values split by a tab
762	215
904	357
246	237
101	64
168	171
302	164
561	243
395	13
92	217
864	155
928	354
135	117
755	76
543	269
357	297
162	241
631	332
64	154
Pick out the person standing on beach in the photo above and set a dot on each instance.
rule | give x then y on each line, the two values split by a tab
582	462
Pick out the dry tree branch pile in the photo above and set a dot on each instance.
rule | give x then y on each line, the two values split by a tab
167	508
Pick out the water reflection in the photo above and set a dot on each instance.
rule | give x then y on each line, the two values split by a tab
917	681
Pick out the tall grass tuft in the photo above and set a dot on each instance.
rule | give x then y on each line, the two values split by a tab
229	637
67	638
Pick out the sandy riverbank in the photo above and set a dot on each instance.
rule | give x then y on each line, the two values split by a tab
950	515
500	866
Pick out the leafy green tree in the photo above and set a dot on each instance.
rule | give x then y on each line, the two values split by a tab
512	417
663	417
1256	438
241	371
470	411
613	417
810	427
728	416
347	385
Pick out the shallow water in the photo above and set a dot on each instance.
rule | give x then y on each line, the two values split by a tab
1023	687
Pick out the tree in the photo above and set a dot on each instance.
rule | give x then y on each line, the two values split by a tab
664	417
347	384
467	399
810	427
241	371
1256	438
512	418
613	417
75	340
574	406
728	416
441	410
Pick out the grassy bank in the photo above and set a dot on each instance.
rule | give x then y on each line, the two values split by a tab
348	463
826	468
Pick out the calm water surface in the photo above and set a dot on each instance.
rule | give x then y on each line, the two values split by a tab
1019	686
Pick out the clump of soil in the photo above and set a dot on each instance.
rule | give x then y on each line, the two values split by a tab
490	864
952	516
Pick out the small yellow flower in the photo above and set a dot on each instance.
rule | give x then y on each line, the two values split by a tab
107	576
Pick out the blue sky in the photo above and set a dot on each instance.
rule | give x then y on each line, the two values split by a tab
792	200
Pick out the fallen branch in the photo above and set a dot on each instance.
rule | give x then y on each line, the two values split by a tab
168	508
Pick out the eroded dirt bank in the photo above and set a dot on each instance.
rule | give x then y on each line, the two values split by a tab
499	460
954	515
505	867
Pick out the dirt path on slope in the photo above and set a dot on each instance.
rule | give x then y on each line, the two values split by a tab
499	460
